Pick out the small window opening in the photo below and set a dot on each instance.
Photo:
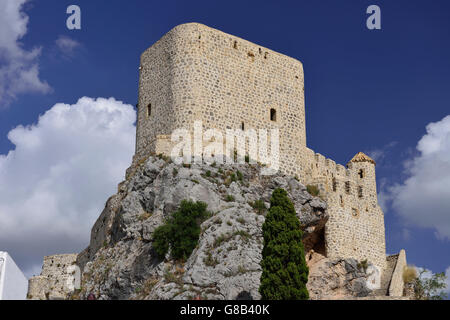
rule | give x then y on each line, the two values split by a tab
334	184
347	187
242	126
273	114
235	44
360	192
149	110
265	55
341	200
361	173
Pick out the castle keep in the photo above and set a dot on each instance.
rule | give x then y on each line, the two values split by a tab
198	73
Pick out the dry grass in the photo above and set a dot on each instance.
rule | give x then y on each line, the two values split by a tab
409	274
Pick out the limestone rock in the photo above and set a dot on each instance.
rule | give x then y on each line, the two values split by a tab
226	262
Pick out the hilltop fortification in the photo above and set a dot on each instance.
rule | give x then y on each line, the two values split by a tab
197	73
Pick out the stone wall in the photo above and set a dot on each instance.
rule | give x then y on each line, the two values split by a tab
356	225
196	73
397	285
54	282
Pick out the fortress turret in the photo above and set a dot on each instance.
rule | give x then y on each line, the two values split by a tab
363	168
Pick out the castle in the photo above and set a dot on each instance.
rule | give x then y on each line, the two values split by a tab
195	72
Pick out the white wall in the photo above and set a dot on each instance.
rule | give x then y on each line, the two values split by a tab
13	283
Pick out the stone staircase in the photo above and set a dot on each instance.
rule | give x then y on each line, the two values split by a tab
386	276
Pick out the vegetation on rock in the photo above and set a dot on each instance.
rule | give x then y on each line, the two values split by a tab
285	272
181	231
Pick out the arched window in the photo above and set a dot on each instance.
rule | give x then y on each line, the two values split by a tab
273	114
149	110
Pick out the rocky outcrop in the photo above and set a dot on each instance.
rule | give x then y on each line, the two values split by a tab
120	262
337	279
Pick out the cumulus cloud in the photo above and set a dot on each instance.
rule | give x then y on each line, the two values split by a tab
55	182
423	198
19	69
67	46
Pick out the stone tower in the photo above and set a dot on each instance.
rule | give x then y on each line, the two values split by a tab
196	73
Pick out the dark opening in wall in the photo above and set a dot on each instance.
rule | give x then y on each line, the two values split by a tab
235	44
149	110
360	192
334	184
361	173
265	55
342	200
319	246
273	114
347	187
242	126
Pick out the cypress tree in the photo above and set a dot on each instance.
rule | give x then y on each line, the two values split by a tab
285	272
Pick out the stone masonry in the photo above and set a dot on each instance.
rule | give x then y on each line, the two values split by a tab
196	73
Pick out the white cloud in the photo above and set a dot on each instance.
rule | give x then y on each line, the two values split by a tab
423	198
55	182
19	69
379	154
67	46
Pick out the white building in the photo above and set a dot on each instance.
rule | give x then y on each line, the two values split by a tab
13	283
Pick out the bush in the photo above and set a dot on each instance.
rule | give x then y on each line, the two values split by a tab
430	287
229	198
312	190
259	206
409	274
284	270
181	232
363	265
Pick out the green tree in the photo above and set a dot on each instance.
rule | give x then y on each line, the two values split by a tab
285	272
430	288
181	231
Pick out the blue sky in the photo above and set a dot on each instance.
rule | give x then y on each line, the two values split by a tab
366	90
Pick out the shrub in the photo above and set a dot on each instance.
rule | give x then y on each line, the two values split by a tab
363	265
409	274
312	190
229	198
430	288
284	270
259	206
182	231
239	175
144	216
